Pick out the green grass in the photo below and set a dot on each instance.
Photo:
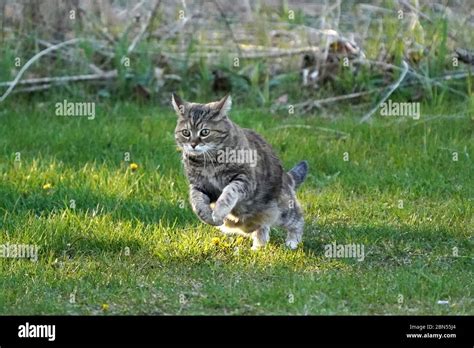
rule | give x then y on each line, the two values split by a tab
176	266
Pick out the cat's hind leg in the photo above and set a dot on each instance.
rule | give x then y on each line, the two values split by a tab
260	237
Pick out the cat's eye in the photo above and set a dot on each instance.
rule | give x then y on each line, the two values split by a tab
186	133
204	132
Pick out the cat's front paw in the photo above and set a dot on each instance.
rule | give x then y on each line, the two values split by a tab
205	215
218	218
209	220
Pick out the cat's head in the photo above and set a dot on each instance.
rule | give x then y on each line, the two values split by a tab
201	127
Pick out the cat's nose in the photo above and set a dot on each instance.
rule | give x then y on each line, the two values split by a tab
193	145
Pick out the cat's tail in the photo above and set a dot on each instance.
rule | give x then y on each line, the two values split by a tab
299	172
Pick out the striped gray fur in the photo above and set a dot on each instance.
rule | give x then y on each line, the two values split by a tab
234	193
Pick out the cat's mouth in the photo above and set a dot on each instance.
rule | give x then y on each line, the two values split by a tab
194	152
198	150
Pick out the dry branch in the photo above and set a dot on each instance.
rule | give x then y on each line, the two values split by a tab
389	93
69	56
227	24
317	103
338	133
32	89
145	29
248	54
34	59
61	79
415	74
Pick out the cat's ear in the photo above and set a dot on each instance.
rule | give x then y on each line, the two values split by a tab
224	105
178	104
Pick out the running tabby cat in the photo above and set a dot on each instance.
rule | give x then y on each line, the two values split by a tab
236	181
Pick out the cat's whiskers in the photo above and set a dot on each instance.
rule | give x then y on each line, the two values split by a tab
210	158
204	157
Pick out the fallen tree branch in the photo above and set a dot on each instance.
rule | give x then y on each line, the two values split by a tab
145	29
132	11
32	89
389	93
246	54
176	27
318	103
412	73
227	24
61	79
304	126
98	27
70	56
458	75
329	100
34	59
279	53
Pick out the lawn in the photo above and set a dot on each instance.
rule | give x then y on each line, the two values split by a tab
113	240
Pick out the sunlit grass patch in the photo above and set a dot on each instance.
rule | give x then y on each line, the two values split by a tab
116	234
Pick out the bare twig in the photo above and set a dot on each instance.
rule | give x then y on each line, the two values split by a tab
107	75
264	54
458	75
424	16
227	24
34	59
373	8
428	118
175	27
32	89
98	27
61	79
413	73
304	126
145	29
69	56
392	89
132	11
318	103
154	12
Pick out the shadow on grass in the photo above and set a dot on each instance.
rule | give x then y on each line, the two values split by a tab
386	245
382	244
149	139
92	203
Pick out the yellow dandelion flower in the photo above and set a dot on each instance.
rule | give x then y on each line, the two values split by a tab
215	241
133	166
239	240
47	186
104	307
